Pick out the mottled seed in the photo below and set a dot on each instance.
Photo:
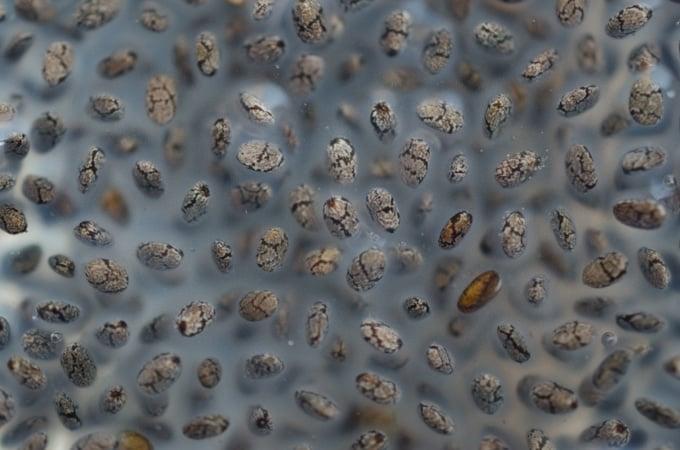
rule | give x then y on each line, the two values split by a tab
323	261
25	260
416	307
384	121
265	48
148	178
563	229
645	214
41	344
317	324
258	305
194	317
479	292
36	441
159	374
644	57
341	160
494	37
309	21
438	359
572	335
7	407
207	53
538	440
264	365
90	232
272	249
383	209
605	270
153	18
366	270
205	427
262	9
37	189
257	111
89	169
455	229
437	51
16	145
57	312
654	268
578	100
195	203
92	14
540	64
414	161
113	334
221	255
316	405
396	31
47	130
642	159
106	275
435	418
306	74
301	204
645	102
370	440
12	219
612	432
96	441
580	168
440	115
260	421
114	399
209	372
260	156
117	63
106	107
553	398
518	168
513	234
570	13
628	21
487	393
27	374
458	169
377	388
513	342
659	413
340	217
161	99
381	336
159	255
642	322
498	112
611	370
57	63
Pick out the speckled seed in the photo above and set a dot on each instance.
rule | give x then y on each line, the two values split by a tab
518	168
612	432
159	255
205	427
78	365
263	365
39	190
195	203
106	107
570	13
414	161
384	121
148	178
12	219
7	407
301	204
642	159
41	344
194	317
209	372
396	31
57	312
383	209
323	261
572	335
113	334
161	99
221	255
645	103
89	169
438	359
265	48
513	342
440	115
644	57
67	411
628	20
340	217
479	292
309	21
117	63
114	399
366	270
494	37
221	136
257	111
437	51
5	332
90	232
57	63
580	168
487	393
260	421
258	305
540	64
370	440
381	336
553	398
316	405
659	413
611	370
106	275
306	74
538	440
7	181
416	307
578	100
645	214
317	324
513	234
260	156
455	229
435	418
498	112
377	388
207	53
341	160
96	440
272	249
654	268
27	374
250	195
92	14
16	145
641	322
48	130
159	373
605	270
563	229
458	169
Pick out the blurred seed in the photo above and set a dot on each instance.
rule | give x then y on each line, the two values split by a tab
153	18
612	432
323	261
37	189
644	57
642	159
5	332
114	399
262	9
316	405
260	156
301	204
159	374
487	393
538	440
57	63
628	21
513	234
644	214
513	342
161	99
381	336
340	217
27	374
258	305
18	45
251	195
553	398
642	322
67	411
205	427
435	418
12	219
384	121
370	440
47	130
366	270
563	229
540	64
659	413
78	365
106	275
654	268
113	334
90	232
117	63
479	292
494	37
416	307
589	54
41	344
578	100
92	14
614	123
306	74
194	317
260	421
414	161
572	335
317	324
207	53
7	407
16	145
570	13
580	168
383	209
89	170
498	112
440	116
148	178
518	168
396	31
437	50
209	372
438	359
377	389
265	48
264	365
309	21
57	312
272	249
458	169
611	370
98	439
645	102
106	107
195	203
672	366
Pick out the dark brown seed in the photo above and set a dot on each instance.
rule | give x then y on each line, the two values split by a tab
455	230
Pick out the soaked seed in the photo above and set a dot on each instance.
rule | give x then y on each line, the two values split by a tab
340	217
27	374
207	53
605	270
458	169
317	324
366	270
513	234
570	13
580	168
611	370
612	432
323	261
67	411
205	427
113	334
494	37
258	305
579	100
209	372
659	413
148	178
642	322
440	115
78	365
12	219
195	203
642	159
161	99
416	307
114	399
435	418
301	204
57	312
117	63
260	156
272	249
455	230
654	268
396	32
265	48
645	214
437	51
498	112
309	21
37	189
384	121
307	73
159	374
17	145
487	393
89	169
377	388
645	103
41	344
414	161
106	107
260	421
90	232
518	168
106	275
438	359
381	336
540	64
194	317
264	365
57	63
316	405
628	21
553	398
479	292
7	407
92	14
513	342
644	57
370	440
341	160
383	209
572	335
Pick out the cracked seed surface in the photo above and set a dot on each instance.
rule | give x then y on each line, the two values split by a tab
265	48
438	359
580	168
396	32
195	202
440	115
563	229
57	63
307	73
258	112
366	270
642	159
612	432
611	370
89	169
12	219
517	168
118	63
57	312
301	204
323	261
207	53
148	178
628	20
205	427
487	393
434	417
159	373
161	99
67	411
340	217
159	255
654	268
381	336
114	399
605	270
370	440
309	21
641	322
38	189
498	112
494	37
106	275
92	14
455	229
540	64
317	324
114	334
644	214
458	169
78	365
384	121
90	232
106	107
251	195
513	342
258	305
513	234
414	160
572	335
377	388
260	156
553	398
383	209
437	51
194	317
645	102
578	100
264	365
272	249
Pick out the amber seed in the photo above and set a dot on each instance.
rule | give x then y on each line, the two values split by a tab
479	292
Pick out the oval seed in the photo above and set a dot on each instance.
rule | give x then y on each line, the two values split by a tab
221	255
455	229
479	292
265	48
645	214
316	405
161	99
384	121
322	261
113	334
148	178
416	307
57	63
644	57
12	219
27	374
37	189
272	249
307	73
67	411
578	100
159	374
440	115
563	229
645	102
95	440
40	344
377	388
301	204
513	234
194	317
537	440
309	21
437	51
383	209
513	342
257	111
494	37
539	65
570	13
57	312
414	161
553	398
90	232
17	145
642	322
572	335
340	216
260	421
672	366
106	107
260	156
518	168
395	33
263	366
580	168
487	393
251	195
78	365
654	268
612	432
209	372
366	270
114	399
117	63
497	113
438	359
458	169
642	159
605	270
106	275
317	324
159	255
659	413
205	427
89	170
207	53
370	440
611	370
435	418
221	136
381	336
342	160
49	129
92	14
628	21
258	305
195	202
